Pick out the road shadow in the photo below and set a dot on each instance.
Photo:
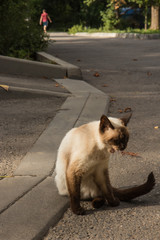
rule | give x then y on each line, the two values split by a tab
150	199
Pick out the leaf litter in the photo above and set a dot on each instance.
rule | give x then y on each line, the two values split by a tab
5	87
132	154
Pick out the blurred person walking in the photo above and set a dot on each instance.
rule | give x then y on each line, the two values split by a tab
44	20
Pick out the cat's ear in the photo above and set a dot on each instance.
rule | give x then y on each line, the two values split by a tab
105	124
125	120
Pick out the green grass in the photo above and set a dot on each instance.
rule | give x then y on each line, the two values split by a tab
143	31
80	28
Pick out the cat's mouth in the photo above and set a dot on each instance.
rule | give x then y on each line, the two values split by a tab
112	150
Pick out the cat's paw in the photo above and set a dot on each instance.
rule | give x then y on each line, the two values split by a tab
98	202
114	203
78	211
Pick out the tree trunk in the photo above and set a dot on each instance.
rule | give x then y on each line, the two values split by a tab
155	17
146	18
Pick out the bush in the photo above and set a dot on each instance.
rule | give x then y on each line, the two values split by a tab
76	28
109	18
22	36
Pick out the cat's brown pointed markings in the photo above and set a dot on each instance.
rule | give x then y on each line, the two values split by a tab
82	164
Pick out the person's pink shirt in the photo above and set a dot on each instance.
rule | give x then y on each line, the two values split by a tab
44	17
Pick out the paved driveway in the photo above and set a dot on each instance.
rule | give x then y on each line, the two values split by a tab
129	71
23	117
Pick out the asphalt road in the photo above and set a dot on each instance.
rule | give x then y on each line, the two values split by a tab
129	71
23	117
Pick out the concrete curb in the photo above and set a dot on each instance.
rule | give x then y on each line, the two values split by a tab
60	69
15	66
72	71
119	35
30	203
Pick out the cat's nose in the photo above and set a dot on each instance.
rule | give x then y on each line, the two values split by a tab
122	147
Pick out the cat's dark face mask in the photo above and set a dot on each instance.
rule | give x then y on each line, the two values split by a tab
116	137
120	141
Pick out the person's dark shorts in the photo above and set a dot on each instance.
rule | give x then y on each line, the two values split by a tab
45	23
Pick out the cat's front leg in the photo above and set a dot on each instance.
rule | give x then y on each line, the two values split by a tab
113	201
103	183
73	182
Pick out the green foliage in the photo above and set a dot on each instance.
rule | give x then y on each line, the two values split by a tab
22	36
88	14
109	17
89	2
64	14
76	28
91	10
143	3
80	28
67	13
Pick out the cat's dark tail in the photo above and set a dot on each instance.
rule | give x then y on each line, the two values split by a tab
133	192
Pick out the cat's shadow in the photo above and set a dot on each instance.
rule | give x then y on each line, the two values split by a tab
153	199
123	205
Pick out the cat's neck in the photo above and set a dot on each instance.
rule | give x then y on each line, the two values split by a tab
96	135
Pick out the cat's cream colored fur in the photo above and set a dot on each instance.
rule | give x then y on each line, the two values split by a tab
82	164
86	153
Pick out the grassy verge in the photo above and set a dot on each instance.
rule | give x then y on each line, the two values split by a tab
80	28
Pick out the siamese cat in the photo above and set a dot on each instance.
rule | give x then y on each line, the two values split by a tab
82	164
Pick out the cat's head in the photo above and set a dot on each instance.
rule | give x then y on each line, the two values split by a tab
114	132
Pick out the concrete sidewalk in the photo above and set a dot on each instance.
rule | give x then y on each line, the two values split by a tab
25	84
46	66
29	201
